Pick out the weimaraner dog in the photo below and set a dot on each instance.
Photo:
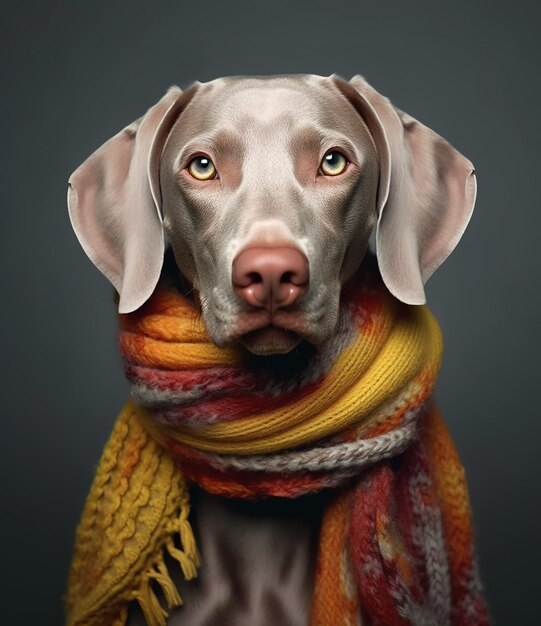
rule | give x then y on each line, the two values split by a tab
265	192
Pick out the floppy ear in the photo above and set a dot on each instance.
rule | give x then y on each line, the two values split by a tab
115	204
426	192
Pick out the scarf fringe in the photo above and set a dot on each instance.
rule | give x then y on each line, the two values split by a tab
189	560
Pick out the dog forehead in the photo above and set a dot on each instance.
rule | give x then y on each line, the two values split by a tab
265	101
268	98
264	108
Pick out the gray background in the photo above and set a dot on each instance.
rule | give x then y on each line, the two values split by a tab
77	72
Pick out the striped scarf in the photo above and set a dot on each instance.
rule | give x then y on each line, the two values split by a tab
356	415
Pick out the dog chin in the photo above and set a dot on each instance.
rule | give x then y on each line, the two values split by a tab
270	340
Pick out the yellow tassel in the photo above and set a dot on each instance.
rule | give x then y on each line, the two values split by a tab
187	565
188	542
154	613
167	585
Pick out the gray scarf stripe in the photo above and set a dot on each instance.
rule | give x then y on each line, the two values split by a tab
351	455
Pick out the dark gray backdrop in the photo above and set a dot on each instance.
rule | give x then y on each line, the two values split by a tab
77	72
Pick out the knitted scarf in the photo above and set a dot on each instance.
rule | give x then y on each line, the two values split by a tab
355	415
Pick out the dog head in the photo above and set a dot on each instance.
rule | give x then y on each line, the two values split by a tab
267	190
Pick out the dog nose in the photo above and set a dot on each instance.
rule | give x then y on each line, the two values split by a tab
270	277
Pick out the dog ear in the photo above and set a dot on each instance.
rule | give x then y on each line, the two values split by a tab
114	201
426	192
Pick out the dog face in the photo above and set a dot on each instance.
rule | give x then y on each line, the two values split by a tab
286	201
267	189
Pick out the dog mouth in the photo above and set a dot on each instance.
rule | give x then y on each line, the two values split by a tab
264	334
270	340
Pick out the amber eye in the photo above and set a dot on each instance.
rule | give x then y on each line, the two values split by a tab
333	163
202	168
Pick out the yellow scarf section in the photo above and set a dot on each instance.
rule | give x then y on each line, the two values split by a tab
138	506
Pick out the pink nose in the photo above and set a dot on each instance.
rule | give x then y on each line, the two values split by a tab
270	278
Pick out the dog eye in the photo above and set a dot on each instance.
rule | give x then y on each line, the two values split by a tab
202	168
333	163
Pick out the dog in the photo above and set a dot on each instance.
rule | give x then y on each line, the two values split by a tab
263	194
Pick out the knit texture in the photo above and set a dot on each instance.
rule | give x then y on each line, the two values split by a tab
354	415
